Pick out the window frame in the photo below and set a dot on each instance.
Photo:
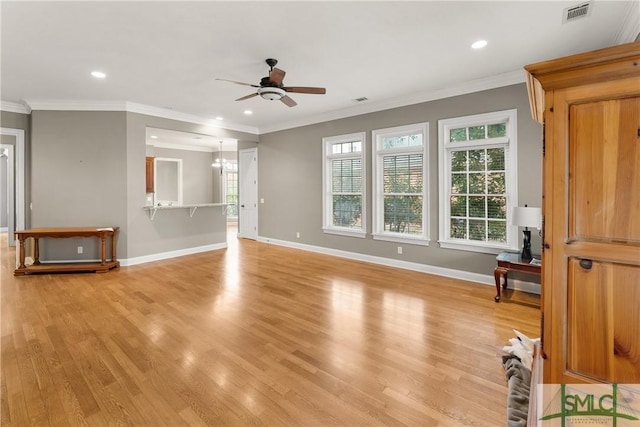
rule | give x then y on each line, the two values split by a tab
327	189
445	148
377	136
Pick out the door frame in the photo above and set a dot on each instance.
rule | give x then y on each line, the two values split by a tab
10	190
19	182
241	185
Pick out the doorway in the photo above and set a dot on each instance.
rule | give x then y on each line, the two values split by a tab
16	209
7	189
248	195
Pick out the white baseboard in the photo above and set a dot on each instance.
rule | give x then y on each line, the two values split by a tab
4	229
423	268
171	254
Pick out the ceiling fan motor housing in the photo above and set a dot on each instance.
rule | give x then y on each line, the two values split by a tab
266	81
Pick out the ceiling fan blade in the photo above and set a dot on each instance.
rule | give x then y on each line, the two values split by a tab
276	76
303	89
288	101
247	97
238	83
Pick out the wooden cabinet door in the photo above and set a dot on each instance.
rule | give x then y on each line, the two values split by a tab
149	174
592	209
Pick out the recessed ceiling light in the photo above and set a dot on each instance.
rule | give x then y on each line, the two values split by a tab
479	44
98	74
154	137
219	118
248	112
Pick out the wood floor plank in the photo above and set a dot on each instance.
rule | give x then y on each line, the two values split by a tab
74	378
255	335
5	414
12	379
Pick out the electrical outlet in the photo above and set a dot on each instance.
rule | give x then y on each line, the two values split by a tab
297	234
80	249
400	250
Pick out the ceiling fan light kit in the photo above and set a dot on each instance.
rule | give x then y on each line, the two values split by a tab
272	88
271	93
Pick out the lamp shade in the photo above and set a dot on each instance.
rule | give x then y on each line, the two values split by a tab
527	217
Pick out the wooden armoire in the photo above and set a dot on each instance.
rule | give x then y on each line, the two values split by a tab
590	107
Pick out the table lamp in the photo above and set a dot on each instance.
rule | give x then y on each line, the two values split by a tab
526	217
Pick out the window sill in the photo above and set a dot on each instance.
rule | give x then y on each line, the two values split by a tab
494	249
402	239
345	232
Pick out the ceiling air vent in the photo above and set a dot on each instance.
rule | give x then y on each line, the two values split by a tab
361	99
572	13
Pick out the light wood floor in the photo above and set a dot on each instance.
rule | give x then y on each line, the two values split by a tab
253	335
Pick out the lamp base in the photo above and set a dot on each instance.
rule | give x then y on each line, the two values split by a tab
526	245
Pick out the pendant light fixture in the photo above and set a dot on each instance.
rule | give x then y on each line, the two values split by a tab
220	161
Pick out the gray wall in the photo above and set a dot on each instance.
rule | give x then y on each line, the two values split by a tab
290	176
79	177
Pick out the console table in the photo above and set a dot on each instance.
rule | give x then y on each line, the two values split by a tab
509	261
38	233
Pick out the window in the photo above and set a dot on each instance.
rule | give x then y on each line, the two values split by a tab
344	185
230	186
478	181
401	184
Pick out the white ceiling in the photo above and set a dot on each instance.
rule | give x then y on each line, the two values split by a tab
167	55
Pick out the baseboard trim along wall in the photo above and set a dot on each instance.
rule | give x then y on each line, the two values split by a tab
483	279
171	254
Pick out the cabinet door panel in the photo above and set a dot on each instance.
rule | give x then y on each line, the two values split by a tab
604	173
603	321
149	174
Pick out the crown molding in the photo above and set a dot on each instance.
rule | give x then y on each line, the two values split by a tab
486	83
132	107
14	107
74	105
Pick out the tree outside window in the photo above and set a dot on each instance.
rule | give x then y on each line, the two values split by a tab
477	180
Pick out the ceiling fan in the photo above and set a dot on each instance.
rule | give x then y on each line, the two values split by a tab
271	87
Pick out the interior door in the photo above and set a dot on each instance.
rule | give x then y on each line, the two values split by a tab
248	194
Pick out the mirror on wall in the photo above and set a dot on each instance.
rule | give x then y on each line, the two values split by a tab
168	181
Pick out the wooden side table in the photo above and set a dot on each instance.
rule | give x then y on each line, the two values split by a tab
38	233
509	261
